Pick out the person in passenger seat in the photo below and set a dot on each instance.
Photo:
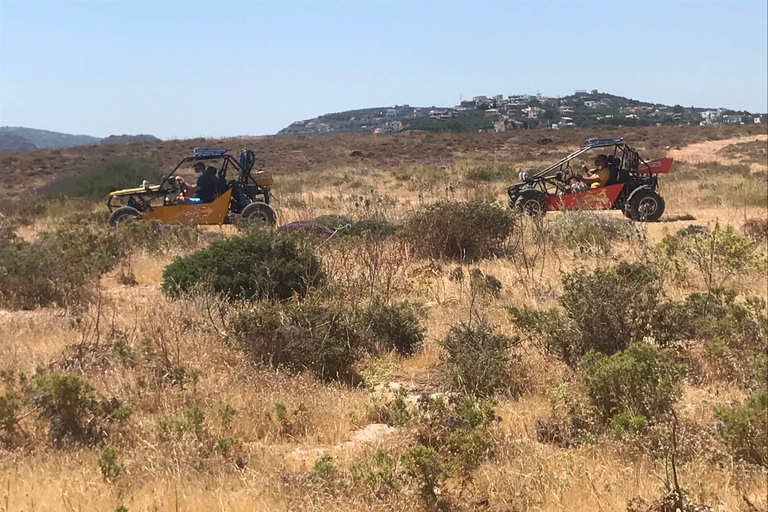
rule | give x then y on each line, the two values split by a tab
599	176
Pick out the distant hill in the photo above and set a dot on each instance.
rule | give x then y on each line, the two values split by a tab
117	139
520	111
12	142
19	138
44	139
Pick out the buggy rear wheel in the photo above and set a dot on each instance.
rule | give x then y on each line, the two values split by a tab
645	206
531	203
124	214
259	211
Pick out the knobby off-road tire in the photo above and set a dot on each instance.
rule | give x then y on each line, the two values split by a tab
124	214
645	206
531	203
259	211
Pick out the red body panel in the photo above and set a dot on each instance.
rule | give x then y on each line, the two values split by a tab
658	166
600	198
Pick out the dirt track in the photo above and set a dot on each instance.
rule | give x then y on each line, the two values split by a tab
709	151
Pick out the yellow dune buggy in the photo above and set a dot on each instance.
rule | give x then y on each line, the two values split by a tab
246	196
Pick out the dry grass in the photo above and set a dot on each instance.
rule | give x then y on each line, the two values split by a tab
267	467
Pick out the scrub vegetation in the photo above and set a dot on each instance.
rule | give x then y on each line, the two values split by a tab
427	349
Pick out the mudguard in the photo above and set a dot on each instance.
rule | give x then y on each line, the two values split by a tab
641	187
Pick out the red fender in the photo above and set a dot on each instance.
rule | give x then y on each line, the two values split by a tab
658	166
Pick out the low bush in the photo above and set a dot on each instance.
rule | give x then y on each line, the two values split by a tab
460	231
479	361
58	268
262	265
334	222
299	336
110	466
603	310
638	381
714	257
69	404
392	326
590	232
377	225
745	428
377	473
426	468
97	182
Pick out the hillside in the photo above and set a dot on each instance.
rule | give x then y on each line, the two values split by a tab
294	157
522	111
19	138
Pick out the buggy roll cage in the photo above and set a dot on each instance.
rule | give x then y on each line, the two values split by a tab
243	166
630	159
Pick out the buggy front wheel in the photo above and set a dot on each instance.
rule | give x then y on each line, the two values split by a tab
531	203
124	214
645	206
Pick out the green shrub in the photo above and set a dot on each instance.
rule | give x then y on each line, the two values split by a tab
262	265
97	182
225	444
639	381
226	414
68	403
393	412
59	267
459	231
714	256
625	423
324	470
426	468
299	336
378	226
110	466
478	360
334	221
192	420
394	326
745	428
377	473
604	310
586	231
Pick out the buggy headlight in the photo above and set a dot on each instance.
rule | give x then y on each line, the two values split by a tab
523	176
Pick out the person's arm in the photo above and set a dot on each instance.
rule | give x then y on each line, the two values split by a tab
588	179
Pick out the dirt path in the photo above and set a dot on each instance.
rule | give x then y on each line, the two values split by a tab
709	152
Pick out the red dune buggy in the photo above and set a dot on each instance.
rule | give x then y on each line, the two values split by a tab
631	188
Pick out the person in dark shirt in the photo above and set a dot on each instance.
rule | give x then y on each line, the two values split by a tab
205	187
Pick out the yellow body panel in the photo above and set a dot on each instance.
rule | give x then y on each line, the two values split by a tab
201	213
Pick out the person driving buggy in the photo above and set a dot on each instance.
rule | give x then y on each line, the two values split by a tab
205	187
599	176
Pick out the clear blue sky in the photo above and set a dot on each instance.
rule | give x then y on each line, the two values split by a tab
192	68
